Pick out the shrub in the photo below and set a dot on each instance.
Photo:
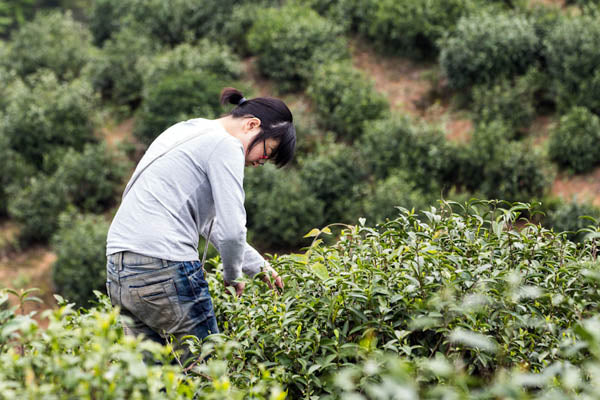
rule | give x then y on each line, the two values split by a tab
573	143
573	61
344	98
13	171
52	41
92	178
105	18
348	14
567	218
44	114
500	169
397	190
292	41
511	103
175	98
36	207
335	175
280	208
396	142
80	266
484	47
114	72
411	27
204	56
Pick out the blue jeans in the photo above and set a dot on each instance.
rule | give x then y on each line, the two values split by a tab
161	298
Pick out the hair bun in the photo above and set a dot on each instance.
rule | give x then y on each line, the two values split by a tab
231	95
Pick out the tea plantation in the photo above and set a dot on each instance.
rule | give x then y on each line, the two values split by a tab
464	301
460	299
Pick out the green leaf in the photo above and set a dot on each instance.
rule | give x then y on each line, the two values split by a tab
320	270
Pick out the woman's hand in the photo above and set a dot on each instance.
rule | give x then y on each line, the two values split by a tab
272	276
238	286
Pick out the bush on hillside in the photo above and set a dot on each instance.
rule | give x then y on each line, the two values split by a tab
397	190
511	102
398	143
203	56
336	176
574	141
292	41
53	41
44	114
105	18
344	99
500	169
280	208
348	14
485	47
115	73
176	98
573	61
92	178
13	171
567	218
408	27
80	266
36	207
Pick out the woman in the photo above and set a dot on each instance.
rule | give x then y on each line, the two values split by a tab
189	183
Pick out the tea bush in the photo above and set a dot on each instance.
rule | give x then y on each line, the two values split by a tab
44	114
336	176
176	98
202	56
567	217
93	177
13	171
114	71
53	41
462	303
397	142
411	27
348	14
465	284
80	266
397	190
510	102
344	99
292	41
484	47
573	143
500	169
36	206
573	61
279	204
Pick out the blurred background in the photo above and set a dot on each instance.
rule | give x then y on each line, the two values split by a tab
396	102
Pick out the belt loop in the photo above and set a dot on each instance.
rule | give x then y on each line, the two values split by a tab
165	263
120	260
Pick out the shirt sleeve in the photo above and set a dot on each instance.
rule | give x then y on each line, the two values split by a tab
225	171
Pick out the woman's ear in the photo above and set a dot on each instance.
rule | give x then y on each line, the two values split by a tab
251	124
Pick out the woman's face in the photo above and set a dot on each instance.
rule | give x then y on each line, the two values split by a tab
261	152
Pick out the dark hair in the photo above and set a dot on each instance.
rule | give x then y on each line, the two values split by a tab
276	121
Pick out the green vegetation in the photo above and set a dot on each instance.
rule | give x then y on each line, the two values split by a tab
80	266
460	301
574	142
292	41
487	46
345	99
442	302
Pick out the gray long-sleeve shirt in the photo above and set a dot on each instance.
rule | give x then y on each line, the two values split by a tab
173	201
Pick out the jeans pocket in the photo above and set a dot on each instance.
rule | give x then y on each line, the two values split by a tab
157	304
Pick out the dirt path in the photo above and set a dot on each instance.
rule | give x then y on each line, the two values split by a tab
31	268
410	89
